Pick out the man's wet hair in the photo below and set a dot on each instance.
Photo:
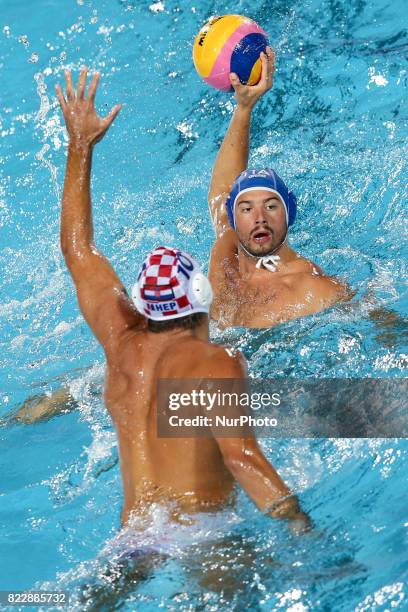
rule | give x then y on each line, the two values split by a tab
189	322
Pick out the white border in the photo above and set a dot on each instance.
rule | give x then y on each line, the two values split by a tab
261	189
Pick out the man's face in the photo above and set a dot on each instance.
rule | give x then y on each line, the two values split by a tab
260	221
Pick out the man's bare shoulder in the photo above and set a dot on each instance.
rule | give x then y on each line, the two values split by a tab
321	286
221	362
194	358
307	279
225	362
301	265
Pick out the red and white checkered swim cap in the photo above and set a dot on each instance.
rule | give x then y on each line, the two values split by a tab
171	285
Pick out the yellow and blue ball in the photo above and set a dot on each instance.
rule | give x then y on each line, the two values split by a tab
230	43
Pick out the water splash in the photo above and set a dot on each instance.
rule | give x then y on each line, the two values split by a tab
51	129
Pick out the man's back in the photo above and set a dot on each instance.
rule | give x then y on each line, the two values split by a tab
188	470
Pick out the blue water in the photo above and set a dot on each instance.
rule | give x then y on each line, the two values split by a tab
335	126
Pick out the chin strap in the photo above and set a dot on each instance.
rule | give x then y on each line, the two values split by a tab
269	262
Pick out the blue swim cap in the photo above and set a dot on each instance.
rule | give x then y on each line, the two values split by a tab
266	178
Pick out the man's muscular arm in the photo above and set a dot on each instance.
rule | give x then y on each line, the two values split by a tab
101	295
247	463
232	158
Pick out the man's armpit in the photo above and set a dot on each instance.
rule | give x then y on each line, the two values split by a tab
223	257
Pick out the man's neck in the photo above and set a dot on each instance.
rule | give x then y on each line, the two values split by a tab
201	332
248	264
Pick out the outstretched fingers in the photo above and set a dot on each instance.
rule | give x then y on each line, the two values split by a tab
112	115
93	87
82	83
61	98
69	86
81	119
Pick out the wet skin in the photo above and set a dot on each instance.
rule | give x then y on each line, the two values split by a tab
195	473
244	294
256	297
260	221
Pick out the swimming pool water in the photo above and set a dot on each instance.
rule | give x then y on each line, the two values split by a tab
335	126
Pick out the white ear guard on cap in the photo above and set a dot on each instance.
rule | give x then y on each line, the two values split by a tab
201	290
137	300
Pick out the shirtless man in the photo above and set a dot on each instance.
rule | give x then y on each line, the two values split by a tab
161	332
258	280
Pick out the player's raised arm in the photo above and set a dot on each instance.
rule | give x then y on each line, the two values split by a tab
232	158
101	295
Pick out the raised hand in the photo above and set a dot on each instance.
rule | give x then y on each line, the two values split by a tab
83	124
248	95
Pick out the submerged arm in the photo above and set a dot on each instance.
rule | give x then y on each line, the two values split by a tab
247	463
42	407
260	480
